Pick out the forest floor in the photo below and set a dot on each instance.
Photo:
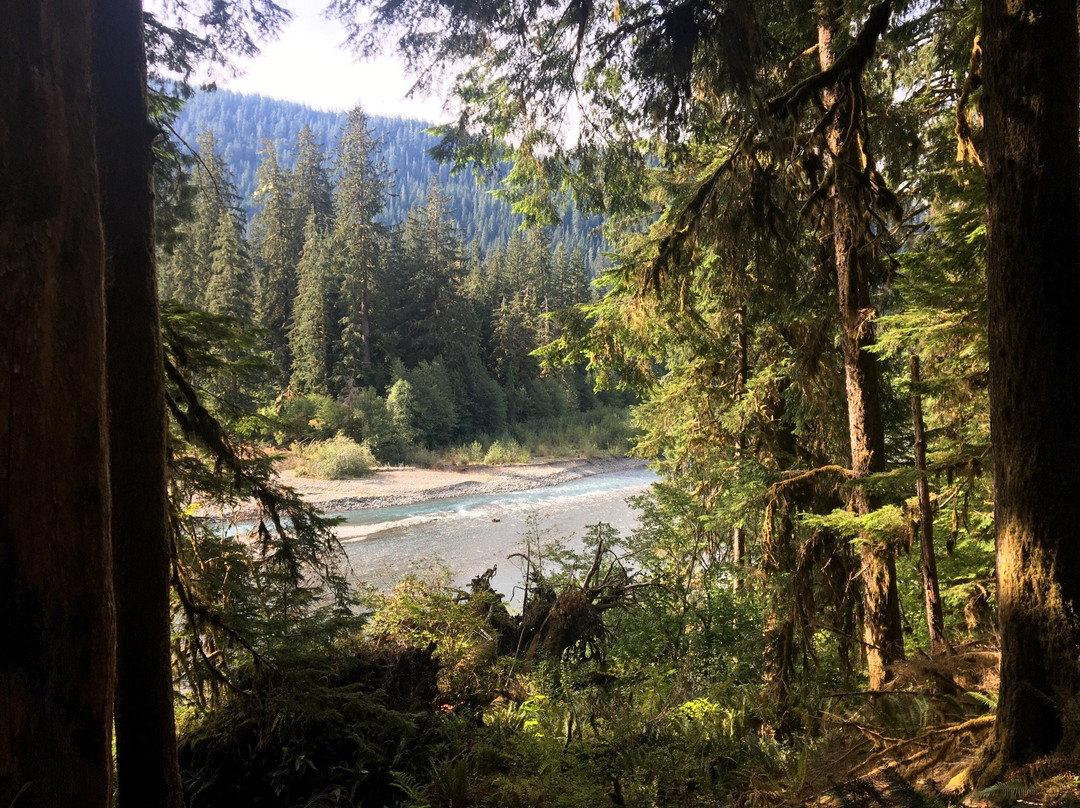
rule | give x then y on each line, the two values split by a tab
406	485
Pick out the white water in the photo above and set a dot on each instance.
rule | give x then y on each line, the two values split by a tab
384	544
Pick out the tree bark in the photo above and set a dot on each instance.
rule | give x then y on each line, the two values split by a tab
1030	103
56	609
146	763
935	617
882	632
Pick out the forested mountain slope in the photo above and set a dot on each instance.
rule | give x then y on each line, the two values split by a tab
241	124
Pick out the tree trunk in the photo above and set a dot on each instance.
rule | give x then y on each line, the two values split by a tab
1031	100
146	764
738	535
935	618
882	632
56	609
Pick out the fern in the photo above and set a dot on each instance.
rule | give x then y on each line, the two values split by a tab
1007	792
988	700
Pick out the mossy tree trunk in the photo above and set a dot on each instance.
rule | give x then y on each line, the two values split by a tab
1030	103
146	764
56	608
882	632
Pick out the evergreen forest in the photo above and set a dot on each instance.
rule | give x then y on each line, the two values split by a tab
816	262
244	124
404	338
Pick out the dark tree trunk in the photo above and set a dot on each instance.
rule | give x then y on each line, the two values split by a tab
146	764
56	610
882	632
1030	102
935	618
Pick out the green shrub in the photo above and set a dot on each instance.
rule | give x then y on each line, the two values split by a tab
506	451
339	458
313	416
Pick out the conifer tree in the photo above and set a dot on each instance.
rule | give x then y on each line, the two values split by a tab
433	317
277	254
229	290
313	335
311	188
359	199
187	273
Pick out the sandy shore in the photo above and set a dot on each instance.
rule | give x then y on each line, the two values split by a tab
389	487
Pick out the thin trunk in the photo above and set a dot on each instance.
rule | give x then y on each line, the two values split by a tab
56	608
1031	73
882	632
146	763
738	536
365	323
935	618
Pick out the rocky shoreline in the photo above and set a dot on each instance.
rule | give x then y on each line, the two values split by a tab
391	487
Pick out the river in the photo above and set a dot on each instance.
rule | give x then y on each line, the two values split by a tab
473	533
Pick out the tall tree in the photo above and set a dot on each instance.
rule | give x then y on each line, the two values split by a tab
146	766
359	199
311	189
56	605
432	315
1031	104
276	253
229	289
314	331
853	251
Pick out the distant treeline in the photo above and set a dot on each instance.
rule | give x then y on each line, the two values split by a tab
426	339
241	123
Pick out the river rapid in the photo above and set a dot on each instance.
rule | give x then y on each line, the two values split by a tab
474	533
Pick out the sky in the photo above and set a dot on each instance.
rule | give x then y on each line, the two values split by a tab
308	64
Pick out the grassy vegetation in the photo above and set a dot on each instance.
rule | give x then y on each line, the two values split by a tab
339	458
601	432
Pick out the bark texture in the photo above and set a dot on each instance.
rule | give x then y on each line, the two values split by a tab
935	616
146	764
882	632
1030	104
56	610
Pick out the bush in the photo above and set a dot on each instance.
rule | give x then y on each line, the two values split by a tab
339	458
506	451
313	416
369	422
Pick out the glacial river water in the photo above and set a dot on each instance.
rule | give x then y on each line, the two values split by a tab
384	544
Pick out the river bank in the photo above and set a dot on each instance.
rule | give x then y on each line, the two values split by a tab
397	486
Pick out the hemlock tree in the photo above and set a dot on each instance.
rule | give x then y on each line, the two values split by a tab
1031	100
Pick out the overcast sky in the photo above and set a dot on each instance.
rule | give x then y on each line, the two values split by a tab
307	64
